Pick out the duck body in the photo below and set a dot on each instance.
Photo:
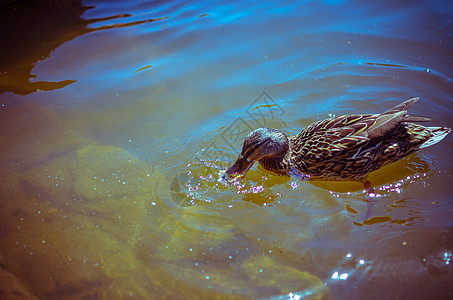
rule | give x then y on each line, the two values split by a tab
346	147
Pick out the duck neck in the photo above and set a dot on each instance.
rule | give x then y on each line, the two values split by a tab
280	164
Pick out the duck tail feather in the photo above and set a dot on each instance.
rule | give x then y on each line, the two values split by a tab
438	134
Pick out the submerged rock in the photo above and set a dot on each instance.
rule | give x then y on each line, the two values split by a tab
11	288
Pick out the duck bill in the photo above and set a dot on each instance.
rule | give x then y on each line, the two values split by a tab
239	168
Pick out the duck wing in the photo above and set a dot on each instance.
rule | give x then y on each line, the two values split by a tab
326	139
340	136
392	118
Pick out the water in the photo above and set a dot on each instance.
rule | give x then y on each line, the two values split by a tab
117	119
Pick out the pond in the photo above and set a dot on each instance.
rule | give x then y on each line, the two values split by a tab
117	119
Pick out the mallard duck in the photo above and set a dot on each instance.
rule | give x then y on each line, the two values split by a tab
347	147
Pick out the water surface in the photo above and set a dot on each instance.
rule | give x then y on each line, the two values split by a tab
118	117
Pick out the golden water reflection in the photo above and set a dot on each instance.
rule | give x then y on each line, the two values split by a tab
93	215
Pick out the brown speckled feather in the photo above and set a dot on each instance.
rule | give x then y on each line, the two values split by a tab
351	146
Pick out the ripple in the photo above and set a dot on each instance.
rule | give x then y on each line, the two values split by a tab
198	183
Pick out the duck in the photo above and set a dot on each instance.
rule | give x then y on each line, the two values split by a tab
342	148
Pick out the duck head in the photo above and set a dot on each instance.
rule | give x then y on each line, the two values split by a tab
262	144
